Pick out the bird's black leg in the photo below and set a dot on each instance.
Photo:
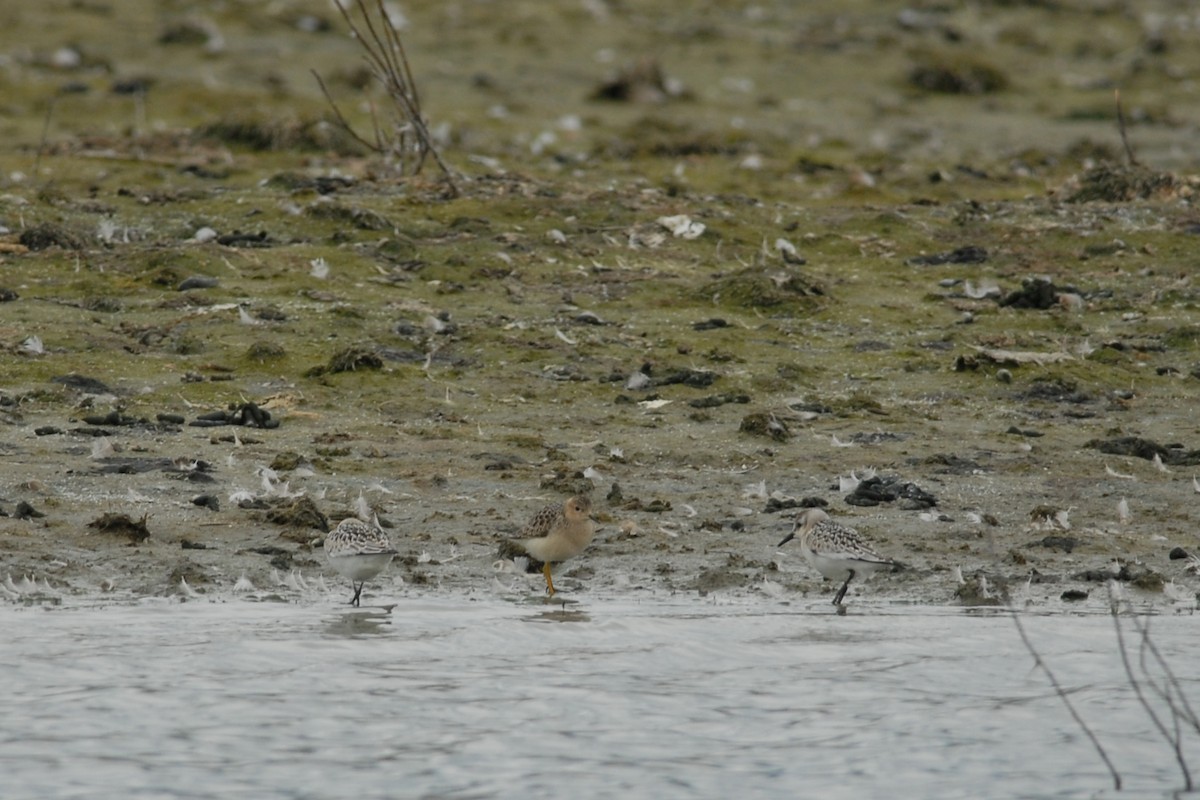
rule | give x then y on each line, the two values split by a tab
837	600
357	593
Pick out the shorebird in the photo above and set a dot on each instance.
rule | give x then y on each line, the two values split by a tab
836	551
358	551
557	532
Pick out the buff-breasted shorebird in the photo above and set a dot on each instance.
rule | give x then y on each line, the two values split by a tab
557	532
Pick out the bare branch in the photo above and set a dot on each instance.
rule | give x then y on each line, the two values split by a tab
1175	740
1062	695
1133	162
384	52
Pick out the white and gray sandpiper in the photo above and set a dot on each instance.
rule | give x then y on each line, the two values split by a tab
837	551
358	551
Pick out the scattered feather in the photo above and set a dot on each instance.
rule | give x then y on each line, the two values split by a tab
1112	472
638	380
755	491
957	576
239	496
1158	464
653	404
985	289
771	589
974	517
243	585
848	484
836	442
788	251
556	236
691	512
33	345
320	268
1123	513
361	508
295	580
1063	519
681	226
564	337
102	448
1196	484
593	474
185	590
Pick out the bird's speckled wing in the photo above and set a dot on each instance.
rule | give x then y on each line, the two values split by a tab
542	522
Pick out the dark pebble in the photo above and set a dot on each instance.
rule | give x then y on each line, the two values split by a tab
111	418
47	430
1074	594
1013	429
971	254
714	400
207	501
239	239
1064	543
171	419
198	282
82	383
710	324
1037	293
1178	553
188	544
26	511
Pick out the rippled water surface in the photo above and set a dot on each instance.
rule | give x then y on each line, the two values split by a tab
484	698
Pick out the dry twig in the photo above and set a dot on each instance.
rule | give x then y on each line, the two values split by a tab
1062	695
407	138
1133	162
1170	693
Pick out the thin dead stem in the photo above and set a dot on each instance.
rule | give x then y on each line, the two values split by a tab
1062	695
1129	155
386	58
37	160
1180	711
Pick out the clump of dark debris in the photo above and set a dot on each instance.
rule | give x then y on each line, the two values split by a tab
890	489
122	525
248	414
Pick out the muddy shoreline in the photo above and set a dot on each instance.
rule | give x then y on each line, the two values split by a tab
674	276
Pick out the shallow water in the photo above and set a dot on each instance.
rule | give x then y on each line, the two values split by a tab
608	698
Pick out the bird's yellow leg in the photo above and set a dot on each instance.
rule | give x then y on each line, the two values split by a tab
549	582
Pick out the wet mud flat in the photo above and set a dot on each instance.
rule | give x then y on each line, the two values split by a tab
949	306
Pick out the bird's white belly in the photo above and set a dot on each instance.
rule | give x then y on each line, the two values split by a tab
361	566
838	566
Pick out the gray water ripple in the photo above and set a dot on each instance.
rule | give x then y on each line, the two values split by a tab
448	698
